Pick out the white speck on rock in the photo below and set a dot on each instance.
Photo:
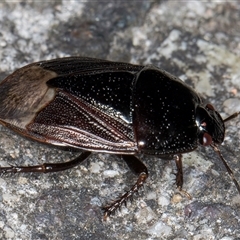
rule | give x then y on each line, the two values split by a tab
145	215
163	200
9	233
160	229
95	167
110	173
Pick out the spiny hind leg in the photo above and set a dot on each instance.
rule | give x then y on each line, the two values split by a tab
139	169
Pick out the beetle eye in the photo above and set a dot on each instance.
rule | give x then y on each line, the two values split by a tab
210	106
206	139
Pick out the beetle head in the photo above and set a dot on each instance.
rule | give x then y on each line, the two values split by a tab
210	124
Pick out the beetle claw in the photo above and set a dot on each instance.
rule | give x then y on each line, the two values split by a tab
185	193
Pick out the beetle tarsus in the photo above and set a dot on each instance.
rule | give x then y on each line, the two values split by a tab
138	168
179	176
185	193
111	208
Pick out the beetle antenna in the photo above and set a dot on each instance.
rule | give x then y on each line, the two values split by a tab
231	116
230	172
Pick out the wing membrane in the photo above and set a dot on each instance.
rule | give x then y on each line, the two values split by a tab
70	121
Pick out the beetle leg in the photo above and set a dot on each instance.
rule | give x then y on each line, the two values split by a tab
138	168
46	167
179	174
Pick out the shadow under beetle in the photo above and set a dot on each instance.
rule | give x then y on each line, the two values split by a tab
102	106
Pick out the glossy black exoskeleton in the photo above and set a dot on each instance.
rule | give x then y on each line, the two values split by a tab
102	106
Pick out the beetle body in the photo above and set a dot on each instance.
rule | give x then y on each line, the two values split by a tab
98	105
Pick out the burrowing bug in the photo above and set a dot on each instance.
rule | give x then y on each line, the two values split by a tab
102	106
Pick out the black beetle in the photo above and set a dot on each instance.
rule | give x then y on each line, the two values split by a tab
112	107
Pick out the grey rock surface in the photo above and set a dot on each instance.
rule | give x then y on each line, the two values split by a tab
197	41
